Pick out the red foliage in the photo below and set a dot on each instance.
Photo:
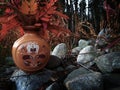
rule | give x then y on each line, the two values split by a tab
31	12
7	24
109	11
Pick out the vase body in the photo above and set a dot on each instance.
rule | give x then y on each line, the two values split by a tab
30	52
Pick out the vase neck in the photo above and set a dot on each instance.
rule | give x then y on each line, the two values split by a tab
33	32
31	29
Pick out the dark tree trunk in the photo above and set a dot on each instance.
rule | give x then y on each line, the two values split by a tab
78	8
82	6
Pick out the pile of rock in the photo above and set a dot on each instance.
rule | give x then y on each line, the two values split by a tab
84	69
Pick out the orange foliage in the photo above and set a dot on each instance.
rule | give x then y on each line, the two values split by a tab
31	12
28	7
7	25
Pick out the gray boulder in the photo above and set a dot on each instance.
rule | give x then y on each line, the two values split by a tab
53	86
108	62
86	56
53	62
103	37
83	43
76	73
76	50
60	50
89	81
25	81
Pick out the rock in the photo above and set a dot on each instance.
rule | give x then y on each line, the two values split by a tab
102	37
53	62
10	70
9	58
86	56
76	50
9	61
76	73
82	43
53	86
59	69
60	50
90	81
25	81
92	41
109	62
70	68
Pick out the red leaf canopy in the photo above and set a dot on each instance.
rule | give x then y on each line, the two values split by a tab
37	12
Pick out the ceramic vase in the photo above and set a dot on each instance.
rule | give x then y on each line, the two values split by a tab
30	52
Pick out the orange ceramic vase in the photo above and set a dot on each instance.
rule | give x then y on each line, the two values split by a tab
30	52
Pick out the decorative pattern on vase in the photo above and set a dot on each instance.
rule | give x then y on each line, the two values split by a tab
31	53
